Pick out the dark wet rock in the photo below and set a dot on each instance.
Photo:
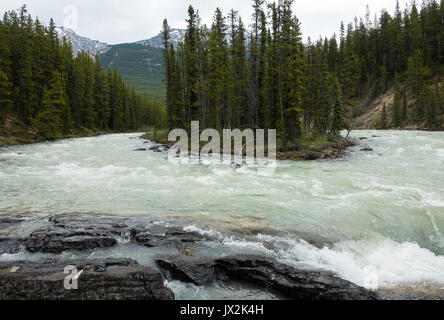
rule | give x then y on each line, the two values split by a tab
11	245
6	222
141	149
110	279
367	150
291	282
363	138
84	233
198	271
267	274
376	136
159	236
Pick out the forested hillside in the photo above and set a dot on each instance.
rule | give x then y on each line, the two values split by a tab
403	53
54	94
273	80
142	64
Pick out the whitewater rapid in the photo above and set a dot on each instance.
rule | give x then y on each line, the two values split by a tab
372	213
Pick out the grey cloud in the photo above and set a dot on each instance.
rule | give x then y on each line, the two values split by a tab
117	21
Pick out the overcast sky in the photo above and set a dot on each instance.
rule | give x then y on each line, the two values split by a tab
117	21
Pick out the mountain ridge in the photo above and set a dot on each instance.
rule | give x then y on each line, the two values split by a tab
80	43
94	47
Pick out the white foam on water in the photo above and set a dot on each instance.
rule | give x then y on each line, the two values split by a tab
394	263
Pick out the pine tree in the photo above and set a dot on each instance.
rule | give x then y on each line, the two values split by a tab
24	95
263	112
51	120
179	114
5	93
5	72
88	114
396	113
404	115
432	107
219	72
338	123
350	71
383	121
294	72
239	71
101	96
417	73
323	102
254	56
192	66
169	69
271	80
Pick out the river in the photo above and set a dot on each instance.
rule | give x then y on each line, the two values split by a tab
380	212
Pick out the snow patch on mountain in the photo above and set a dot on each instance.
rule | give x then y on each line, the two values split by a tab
80	43
177	36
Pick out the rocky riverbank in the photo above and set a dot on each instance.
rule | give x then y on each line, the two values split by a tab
109	279
14	131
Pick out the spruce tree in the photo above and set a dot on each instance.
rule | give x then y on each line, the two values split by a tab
383	121
5	93
24	95
239	71
338	123
404	115
192	66
432	107
5	72
294	67
101	96
169	69
396	113
51	120
219	72
263	111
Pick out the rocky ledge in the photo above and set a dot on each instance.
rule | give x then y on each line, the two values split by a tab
264	273
68	233
91	232
112	279
126	279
